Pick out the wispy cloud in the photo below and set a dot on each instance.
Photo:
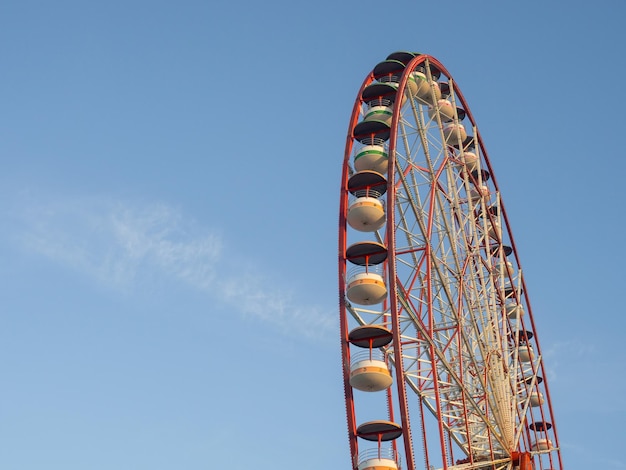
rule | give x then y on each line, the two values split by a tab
121	244
157	235
116	243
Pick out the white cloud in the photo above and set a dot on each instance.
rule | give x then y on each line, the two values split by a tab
254	298
157	235
115	242
119	245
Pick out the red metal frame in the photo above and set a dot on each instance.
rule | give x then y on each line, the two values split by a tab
523	459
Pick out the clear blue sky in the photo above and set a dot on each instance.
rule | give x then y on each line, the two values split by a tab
169	184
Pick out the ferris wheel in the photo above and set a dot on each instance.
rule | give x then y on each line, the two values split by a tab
441	361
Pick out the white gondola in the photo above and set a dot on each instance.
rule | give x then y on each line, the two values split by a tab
543	444
454	133
377	459
379	112
494	230
514	311
536	399
502	268
421	88
378	464
476	194
525	352
444	108
371	157
366	288
369	374
366	214
470	161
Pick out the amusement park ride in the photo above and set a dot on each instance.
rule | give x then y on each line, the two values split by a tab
437	332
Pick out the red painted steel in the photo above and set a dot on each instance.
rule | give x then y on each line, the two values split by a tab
521	458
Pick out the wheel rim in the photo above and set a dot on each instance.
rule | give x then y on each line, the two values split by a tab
467	364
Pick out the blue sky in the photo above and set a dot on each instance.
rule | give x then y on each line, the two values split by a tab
169	185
